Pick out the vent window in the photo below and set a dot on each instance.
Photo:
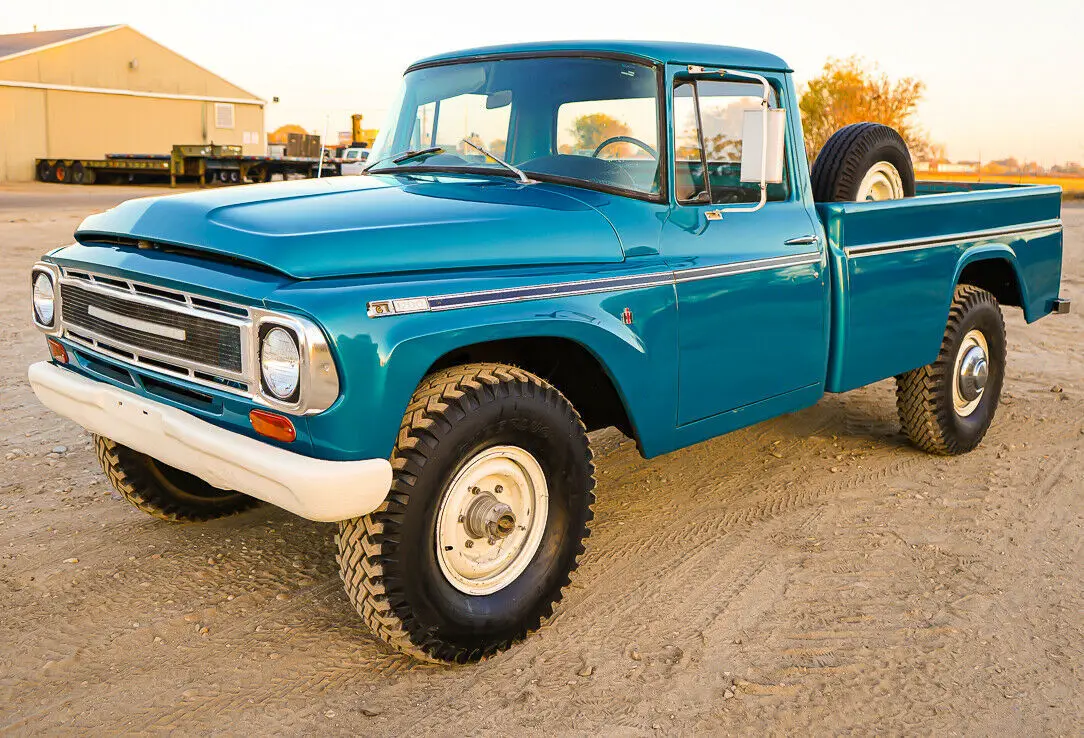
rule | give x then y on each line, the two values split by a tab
223	115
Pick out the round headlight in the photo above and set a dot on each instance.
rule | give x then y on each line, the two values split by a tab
43	298
280	363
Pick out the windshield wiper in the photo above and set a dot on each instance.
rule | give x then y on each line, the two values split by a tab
519	172
405	156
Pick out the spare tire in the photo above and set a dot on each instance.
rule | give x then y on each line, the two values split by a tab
863	161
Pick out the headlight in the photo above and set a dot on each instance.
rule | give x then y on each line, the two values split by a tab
43	299
280	363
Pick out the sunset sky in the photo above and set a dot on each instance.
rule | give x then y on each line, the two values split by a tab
1003	77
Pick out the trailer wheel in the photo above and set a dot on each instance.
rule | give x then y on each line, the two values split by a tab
485	521
946	407
78	173
162	491
863	162
45	171
61	173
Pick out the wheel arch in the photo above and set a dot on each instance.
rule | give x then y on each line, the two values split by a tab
596	364
994	268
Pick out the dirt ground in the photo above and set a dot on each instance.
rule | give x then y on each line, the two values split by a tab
809	574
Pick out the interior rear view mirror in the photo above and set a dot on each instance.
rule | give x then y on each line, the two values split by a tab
498	99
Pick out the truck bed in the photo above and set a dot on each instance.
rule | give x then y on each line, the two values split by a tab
894	265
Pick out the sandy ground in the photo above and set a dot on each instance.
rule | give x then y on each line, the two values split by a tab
809	574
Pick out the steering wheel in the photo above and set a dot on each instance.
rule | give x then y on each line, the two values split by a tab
625	139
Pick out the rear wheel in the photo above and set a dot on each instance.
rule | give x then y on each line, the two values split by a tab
61	173
163	491
45	171
485	520
863	162
946	407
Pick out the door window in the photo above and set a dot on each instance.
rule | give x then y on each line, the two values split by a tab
708	119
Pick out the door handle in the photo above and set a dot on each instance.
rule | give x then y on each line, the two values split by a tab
801	241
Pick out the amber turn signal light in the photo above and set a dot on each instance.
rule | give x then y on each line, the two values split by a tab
273	426
57	350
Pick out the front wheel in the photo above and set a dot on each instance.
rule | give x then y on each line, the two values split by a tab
163	491
946	407
485	520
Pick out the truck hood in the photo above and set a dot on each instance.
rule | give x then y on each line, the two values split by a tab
350	226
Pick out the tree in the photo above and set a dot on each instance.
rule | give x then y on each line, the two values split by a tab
850	91
279	135
589	131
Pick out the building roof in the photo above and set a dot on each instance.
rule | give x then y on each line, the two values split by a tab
654	51
12	44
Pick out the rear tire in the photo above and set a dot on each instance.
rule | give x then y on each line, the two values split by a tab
863	161
45	171
61	173
423	577
941	408
163	491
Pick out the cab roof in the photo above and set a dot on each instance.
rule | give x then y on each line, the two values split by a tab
652	51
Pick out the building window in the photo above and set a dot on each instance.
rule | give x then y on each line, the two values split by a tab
223	115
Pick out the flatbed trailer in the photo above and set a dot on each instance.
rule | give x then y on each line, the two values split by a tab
205	164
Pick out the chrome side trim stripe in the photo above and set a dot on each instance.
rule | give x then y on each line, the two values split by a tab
951	239
741	267
403	306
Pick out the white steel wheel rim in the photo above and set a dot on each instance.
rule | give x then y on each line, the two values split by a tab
882	182
481	565
973	339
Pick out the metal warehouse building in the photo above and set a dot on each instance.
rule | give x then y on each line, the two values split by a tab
87	92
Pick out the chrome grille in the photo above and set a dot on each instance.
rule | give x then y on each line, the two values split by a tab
205	341
202	340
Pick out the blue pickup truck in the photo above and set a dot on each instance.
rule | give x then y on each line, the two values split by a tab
549	239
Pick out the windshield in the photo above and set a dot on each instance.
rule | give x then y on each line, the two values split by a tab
585	121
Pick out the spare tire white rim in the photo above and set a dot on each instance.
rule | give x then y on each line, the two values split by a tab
491	519
882	182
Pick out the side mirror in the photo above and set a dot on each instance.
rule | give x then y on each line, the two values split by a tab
762	158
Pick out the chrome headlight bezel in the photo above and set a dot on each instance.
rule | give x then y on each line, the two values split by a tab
52	273
318	380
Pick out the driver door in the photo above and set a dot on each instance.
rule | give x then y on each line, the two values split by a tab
751	286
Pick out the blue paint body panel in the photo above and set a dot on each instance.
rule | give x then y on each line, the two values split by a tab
892	305
661	52
732	325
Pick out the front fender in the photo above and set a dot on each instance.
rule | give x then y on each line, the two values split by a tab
383	359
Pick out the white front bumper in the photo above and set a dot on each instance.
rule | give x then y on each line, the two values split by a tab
312	488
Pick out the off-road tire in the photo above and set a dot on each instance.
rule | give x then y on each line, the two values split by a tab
851	152
45	171
162	491
924	395
388	560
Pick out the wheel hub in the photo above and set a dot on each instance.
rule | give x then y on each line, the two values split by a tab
970	373
973	373
489	518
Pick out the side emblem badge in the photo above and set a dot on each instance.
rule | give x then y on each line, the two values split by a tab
627	316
